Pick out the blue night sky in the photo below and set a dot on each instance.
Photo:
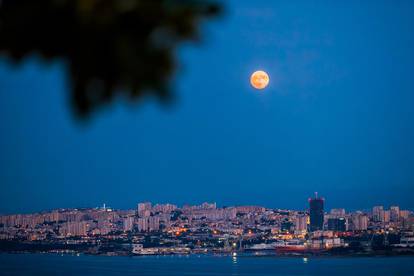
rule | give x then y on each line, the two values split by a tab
337	118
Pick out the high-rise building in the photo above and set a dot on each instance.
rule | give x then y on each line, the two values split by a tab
404	214
316	213
128	223
144	208
359	222
74	228
164	208
148	224
409	223
385	216
394	213
301	223
377	212
337	224
143	224
153	223
338	212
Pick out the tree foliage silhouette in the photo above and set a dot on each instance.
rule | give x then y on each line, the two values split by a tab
112	47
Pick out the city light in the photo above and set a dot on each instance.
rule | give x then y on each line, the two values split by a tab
154	230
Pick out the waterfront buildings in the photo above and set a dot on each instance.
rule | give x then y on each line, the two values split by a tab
206	227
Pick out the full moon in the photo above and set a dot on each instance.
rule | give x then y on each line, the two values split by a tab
259	79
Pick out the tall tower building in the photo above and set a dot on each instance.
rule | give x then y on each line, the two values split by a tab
316	213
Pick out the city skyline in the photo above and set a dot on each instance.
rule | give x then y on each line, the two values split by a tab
164	229
336	117
296	203
107	206
127	206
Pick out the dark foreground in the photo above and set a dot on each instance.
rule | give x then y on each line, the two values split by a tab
53	264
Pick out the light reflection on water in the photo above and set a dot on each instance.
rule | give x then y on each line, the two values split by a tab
201	265
305	260
235	266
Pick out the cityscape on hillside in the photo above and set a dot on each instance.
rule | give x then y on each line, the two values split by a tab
168	229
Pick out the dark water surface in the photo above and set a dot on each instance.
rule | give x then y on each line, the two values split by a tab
48	264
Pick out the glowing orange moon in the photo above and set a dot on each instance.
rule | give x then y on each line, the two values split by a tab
259	79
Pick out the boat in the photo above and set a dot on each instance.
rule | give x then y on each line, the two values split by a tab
263	246
290	245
